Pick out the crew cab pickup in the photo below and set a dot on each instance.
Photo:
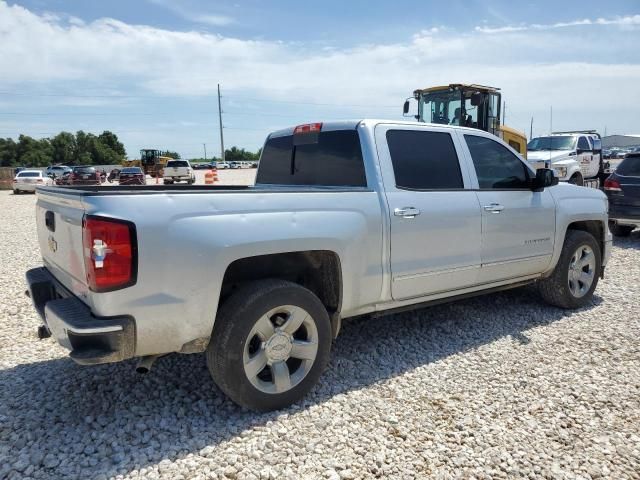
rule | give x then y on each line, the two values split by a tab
178	171
346	219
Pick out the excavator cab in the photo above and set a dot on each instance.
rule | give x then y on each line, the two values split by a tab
466	105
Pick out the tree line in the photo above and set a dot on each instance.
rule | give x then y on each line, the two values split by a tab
234	154
66	148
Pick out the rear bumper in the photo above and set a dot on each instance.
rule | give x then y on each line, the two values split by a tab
26	187
624	214
91	340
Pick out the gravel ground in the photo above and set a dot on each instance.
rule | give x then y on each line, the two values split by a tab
494	387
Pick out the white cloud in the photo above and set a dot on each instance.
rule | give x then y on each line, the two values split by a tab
625	21
590	82
194	16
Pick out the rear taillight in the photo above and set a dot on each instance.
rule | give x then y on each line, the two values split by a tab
612	185
110	253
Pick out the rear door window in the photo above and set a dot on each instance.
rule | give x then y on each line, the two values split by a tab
424	160
335	160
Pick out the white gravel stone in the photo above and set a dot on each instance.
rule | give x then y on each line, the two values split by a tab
501	386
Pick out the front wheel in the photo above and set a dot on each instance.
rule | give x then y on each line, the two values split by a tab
576	179
270	343
575	277
620	230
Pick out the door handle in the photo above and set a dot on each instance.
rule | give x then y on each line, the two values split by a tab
494	208
406	212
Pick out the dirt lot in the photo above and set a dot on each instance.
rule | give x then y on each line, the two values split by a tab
500	386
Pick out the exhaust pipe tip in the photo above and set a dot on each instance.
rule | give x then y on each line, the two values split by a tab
144	364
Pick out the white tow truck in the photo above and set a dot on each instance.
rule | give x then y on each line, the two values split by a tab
576	156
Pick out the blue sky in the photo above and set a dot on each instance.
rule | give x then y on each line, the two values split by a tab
148	69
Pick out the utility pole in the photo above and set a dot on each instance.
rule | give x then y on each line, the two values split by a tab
205	151
531	129
220	120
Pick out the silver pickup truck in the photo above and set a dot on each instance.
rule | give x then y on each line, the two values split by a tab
346	219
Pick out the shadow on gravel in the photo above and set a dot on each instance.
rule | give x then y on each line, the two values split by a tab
109	420
631	242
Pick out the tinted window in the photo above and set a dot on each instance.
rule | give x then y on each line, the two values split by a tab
630	167
583	144
334	160
131	170
29	174
84	170
424	160
496	166
177	163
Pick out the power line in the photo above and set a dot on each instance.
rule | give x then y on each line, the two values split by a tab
252	99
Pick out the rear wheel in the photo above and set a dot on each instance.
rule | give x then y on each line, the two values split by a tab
620	230
16	192
575	277
271	342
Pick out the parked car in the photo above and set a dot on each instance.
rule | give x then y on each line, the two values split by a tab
223	165
28	180
377	216
623	191
235	165
64	179
178	171
57	170
132	176
84	175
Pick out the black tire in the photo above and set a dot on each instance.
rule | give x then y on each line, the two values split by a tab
555	289
620	230
576	179
234	322
16	192
168	182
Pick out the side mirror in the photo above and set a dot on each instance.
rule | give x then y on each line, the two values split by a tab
405	107
545	177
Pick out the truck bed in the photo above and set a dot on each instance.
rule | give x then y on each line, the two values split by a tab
91	190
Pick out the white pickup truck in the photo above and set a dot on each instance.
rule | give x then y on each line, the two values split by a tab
178	171
575	156
346	219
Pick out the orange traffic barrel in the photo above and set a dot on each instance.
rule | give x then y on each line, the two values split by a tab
210	177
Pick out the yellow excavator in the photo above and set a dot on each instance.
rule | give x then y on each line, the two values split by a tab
151	162
467	105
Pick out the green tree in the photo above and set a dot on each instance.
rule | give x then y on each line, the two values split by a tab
8	152
110	140
64	148
169	153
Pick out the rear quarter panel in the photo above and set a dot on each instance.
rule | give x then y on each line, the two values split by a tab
187	241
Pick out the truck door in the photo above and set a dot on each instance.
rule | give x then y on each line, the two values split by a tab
589	163
518	225
435	222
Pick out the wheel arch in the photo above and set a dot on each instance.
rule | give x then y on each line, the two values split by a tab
320	271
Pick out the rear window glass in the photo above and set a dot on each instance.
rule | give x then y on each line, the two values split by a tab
335	160
130	170
424	160
178	163
84	170
29	174
629	167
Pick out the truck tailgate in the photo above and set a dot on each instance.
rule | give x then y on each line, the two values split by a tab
59	222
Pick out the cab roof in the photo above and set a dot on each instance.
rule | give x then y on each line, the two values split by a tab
461	86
